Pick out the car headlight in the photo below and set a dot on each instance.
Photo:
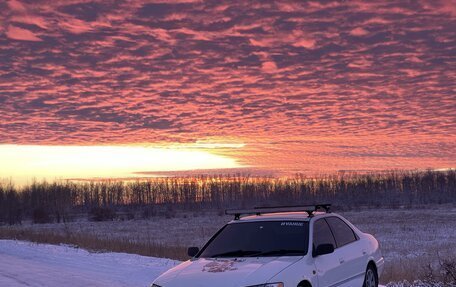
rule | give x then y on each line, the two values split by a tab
279	284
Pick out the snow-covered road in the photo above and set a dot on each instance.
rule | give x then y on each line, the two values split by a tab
28	264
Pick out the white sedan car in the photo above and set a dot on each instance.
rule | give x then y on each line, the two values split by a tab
282	247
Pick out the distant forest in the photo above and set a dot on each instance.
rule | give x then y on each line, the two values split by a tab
64	201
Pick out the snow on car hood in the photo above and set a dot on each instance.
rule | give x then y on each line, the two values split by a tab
225	272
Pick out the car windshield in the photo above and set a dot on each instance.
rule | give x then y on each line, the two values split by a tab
257	239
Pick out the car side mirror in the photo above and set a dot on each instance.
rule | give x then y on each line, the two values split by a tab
323	249
192	251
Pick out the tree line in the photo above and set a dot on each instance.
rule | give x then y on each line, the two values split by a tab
59	201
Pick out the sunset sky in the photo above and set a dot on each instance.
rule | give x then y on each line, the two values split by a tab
134	88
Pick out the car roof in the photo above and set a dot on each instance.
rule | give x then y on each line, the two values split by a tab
295	216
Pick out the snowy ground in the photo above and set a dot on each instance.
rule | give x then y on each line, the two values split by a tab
38	265
28	264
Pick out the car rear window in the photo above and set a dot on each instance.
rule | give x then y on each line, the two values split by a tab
266	238
342	232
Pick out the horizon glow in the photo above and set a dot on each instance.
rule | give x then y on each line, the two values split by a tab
26	162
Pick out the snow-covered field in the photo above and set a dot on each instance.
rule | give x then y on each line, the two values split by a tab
29	264
38	265
410	238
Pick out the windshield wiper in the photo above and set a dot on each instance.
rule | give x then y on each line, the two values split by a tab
281	252
236	253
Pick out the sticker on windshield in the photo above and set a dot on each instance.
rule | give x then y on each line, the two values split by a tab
291	223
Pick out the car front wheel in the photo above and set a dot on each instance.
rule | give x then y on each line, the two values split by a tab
370	279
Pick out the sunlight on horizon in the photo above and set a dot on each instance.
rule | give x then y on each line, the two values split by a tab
23	163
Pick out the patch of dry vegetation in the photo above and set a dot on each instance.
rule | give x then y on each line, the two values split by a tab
97	244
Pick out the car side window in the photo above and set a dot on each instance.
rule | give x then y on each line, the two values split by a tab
322	234
343	233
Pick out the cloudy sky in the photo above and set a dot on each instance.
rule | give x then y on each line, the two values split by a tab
282	86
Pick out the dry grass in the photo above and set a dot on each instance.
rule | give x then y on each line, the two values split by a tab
410	239
97	244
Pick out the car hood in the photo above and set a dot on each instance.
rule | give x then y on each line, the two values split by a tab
225	272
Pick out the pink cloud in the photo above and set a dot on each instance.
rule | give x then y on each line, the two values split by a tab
296	39
358	31
75	26
306	43
261	42
17	33
377	20
269	66
30	19
360	63
16	6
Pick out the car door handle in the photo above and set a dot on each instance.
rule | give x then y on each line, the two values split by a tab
341	260
364	252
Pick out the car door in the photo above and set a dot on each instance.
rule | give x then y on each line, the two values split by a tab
349	253
326	266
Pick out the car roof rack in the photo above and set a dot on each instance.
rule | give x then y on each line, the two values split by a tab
310	209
